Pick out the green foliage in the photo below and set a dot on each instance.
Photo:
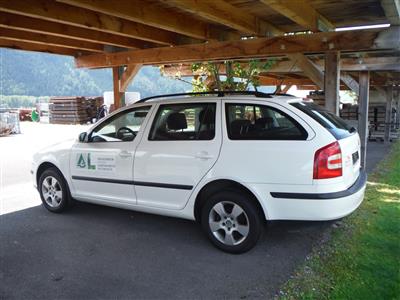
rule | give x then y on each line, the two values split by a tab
238	75
17	101
40	74
361	261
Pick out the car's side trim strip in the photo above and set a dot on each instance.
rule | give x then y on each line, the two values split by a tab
164	185
139	183
108	180
358	185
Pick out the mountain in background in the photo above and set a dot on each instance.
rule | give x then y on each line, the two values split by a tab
40	74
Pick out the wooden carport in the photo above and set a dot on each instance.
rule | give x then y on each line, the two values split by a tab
299	34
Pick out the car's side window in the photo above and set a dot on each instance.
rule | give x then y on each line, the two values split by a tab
123	127
188	121
261	122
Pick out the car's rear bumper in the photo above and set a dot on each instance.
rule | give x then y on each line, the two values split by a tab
316	207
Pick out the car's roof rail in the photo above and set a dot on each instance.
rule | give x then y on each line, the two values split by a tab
218	93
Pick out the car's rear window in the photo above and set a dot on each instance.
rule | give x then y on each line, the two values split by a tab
335	125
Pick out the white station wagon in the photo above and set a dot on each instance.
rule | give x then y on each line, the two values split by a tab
229	161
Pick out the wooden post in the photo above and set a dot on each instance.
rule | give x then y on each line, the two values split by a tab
388	113
332	81
363	102
117	94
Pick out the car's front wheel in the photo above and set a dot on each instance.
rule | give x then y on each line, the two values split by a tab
231	221
53	190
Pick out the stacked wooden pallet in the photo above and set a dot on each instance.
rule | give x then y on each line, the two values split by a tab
349	112
73	110
318	97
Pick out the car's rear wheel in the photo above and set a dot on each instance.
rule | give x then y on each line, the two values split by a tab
231	221
53	190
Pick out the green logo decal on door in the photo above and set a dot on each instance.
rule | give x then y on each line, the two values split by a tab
81	162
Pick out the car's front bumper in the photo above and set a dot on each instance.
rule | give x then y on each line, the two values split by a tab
314	206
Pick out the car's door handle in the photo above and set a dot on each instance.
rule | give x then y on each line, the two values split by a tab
203	155
125	154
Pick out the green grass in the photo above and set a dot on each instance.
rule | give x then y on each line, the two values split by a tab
361	260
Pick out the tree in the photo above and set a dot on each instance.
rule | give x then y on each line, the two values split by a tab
237	76
227	76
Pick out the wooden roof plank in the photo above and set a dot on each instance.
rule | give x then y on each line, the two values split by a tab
139	11
27	46
302	13
13	21
66	14
224	13
18	35
361	40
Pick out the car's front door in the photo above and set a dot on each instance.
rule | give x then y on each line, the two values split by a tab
176	152
102	167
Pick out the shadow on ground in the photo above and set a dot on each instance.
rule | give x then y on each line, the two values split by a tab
100	252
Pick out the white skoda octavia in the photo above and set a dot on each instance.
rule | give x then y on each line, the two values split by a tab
229	162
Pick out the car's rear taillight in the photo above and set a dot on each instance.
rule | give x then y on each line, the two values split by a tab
328	162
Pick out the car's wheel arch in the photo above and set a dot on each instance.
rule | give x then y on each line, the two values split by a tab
45	166
218	185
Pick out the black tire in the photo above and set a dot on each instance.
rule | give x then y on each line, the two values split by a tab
60	188
252	217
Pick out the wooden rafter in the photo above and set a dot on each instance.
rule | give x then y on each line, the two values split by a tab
364	40
27	46
310	69
138	11
13	21
350	82
392	11
302	13
24	36
126	77
66	14
228	15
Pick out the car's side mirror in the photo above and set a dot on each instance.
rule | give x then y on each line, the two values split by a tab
82	137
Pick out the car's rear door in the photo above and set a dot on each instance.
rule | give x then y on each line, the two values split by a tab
102	167
267	143
176	152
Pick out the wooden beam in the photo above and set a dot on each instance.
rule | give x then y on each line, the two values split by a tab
302	13
224	13
363	103
286	89
23	36
349	81
13	21
392	11
309	68
268	80
116	86
127	76
388	113
66	14
287	66
163	18
28	46
332	81
360	40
